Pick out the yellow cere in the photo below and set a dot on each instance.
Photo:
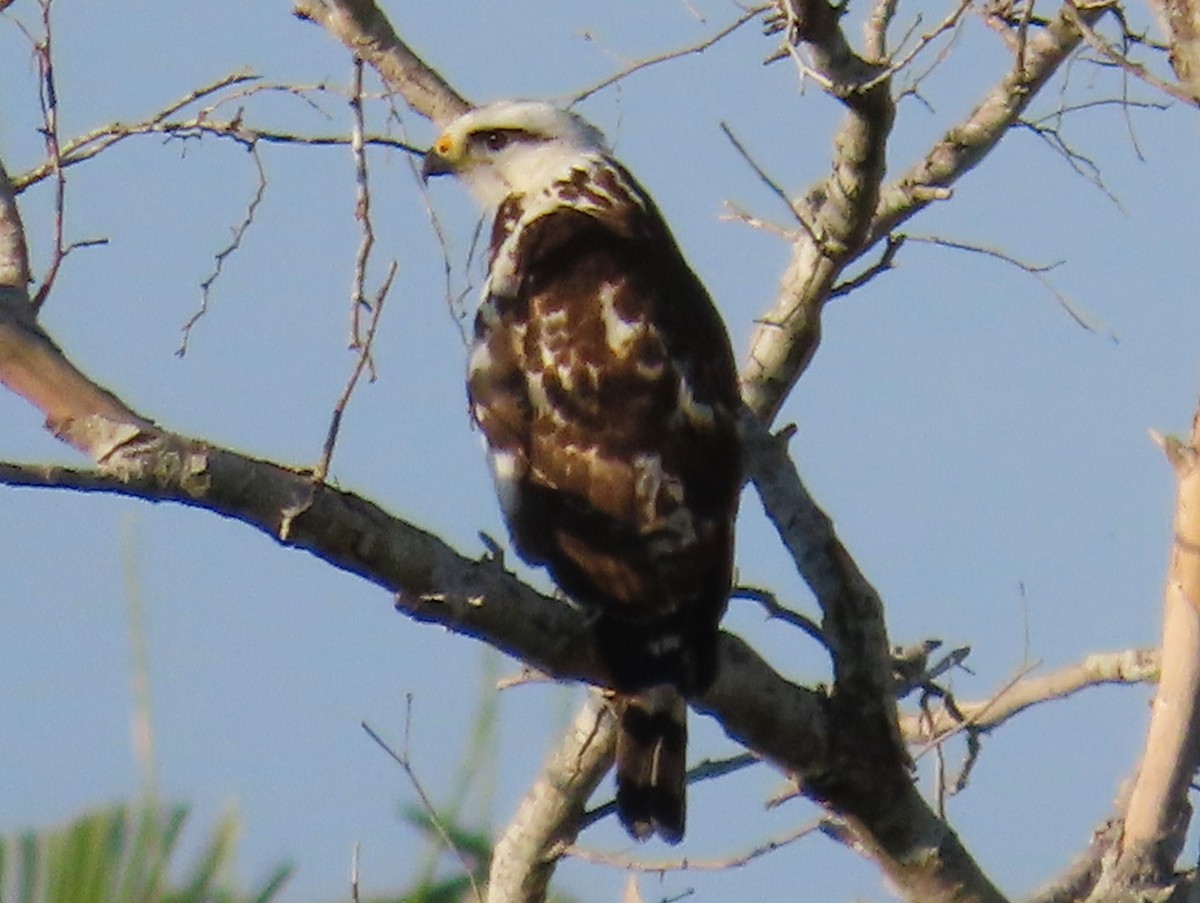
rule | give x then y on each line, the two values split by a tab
444	144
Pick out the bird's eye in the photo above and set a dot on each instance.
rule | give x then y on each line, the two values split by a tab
496	141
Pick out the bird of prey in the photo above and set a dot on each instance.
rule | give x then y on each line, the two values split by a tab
602	379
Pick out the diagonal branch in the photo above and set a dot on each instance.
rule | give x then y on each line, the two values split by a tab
548	818
965	144
366	32
868	785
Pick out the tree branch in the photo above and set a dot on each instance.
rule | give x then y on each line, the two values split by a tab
849	210
1130	666
965	145
838	209
548	818
366	32
1158	815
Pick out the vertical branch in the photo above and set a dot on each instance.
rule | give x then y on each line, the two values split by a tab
839	209
358	292
1158	813
362	361
48	97
548	818
14	255
362	207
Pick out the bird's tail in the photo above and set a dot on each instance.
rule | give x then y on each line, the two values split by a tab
652	763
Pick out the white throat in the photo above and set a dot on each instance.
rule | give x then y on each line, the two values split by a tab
527	170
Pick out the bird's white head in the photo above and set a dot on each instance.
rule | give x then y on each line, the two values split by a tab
513	147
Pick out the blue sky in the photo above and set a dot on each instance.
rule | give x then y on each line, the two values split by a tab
984	457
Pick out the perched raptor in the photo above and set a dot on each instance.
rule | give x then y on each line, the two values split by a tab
602	379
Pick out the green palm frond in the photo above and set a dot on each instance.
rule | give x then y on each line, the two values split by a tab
123	854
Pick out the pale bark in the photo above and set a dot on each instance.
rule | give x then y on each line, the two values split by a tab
1181	21
1128	667
1159	812
366	32
548	817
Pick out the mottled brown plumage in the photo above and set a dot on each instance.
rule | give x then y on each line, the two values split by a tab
603	381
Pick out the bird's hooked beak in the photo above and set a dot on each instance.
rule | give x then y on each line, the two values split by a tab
440	160
435	165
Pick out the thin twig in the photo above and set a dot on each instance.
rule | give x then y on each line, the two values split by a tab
774	186
949	23
1135	69
48	99
86	146
405	762
361	362
205	122
358	299
693	865
1049	129
970	760
774	609
670	55
737	214
939	765
362	208
981	713
1037	271
454	302
707	770
235	242
892	247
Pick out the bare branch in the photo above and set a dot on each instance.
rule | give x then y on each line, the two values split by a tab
967	143
1082	164
886	259
362	213
48	100
1081	876
838	211
775	188
550	815
361	362
87	146
366	32
686	864
1158	815
404	760
872	791
697	48
875	29
1181	21
1038	271
235	242
949	23
774	609
233	129
1131	666
1107	51
14	255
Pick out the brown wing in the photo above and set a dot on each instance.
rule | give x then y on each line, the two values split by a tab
606	389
